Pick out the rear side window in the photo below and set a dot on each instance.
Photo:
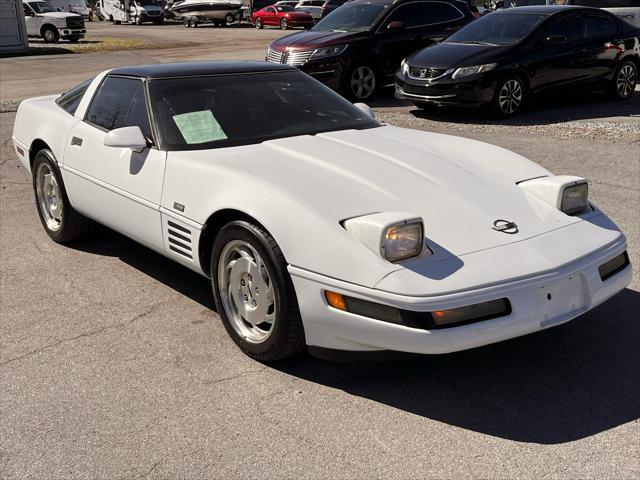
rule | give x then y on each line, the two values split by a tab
120	102
607	3
596	25
439	12
569	27
70	100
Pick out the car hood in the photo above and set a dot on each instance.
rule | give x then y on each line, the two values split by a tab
447	55
302	188
58	15
311	39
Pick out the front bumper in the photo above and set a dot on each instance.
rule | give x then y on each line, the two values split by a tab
476	90
539	301
72	32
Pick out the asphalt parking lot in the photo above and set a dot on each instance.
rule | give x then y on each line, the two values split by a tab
113	363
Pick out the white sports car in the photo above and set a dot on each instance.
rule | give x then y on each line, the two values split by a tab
316	224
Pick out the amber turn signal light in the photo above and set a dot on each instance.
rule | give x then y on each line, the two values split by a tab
335	300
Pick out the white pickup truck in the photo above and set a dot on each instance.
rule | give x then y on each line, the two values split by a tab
44	21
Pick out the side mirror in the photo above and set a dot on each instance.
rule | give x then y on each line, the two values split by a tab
126	137
555	40
396	26
366	109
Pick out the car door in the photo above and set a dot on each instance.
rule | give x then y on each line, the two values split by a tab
558	64
116	186
32	21
600	46
269	17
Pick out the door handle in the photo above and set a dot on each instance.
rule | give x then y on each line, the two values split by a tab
76	141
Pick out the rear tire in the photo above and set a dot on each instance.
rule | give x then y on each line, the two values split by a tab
624	81
230	17
193	22
254	294
61	222
284	25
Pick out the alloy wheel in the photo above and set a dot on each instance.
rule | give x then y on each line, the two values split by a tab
510	96
49	197
246	291
283	24
626	81
363	82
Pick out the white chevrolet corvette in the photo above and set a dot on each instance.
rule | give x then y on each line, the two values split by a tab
316	224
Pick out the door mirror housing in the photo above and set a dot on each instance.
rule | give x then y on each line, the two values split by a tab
396	26
126	137
555	40
366	109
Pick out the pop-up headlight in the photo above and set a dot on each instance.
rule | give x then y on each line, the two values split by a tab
567	193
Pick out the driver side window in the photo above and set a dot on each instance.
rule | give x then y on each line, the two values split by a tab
27	10
568	27
119	102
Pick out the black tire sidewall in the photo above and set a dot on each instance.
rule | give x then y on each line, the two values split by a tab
347	82
259	24
54	34
271	348
46	156
284	24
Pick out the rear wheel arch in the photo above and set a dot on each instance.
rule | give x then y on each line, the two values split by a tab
210	230
37	145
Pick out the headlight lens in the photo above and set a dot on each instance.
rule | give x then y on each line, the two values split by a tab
329	51
404	67
402	241
467	71
575	198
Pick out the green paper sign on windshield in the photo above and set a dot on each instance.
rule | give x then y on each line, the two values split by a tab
199	127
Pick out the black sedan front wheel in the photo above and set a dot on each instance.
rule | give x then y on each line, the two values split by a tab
509	96
624	80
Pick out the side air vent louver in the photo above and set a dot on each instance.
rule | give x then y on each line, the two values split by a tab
179	240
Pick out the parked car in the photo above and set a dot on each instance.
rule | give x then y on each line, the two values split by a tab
263	180
44	21
281	16
329	6
312	7
504	57
627	10
357	48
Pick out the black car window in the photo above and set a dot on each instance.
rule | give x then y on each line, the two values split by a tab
567	27
285	8
352	17
119	103
416	14
70	100
27	10
222	111
500	28
597	25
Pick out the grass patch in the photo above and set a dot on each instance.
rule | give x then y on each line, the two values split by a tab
106	44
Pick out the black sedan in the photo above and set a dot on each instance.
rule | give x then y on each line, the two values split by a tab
505	56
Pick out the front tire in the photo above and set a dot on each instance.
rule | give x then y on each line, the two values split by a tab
254	294
361	82
509	96
61	222
50	34
193	22
624	81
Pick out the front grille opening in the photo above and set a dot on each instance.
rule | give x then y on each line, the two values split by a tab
613	266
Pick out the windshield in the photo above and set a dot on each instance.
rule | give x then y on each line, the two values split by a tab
41	7
358	17
228	110
498	29
285	8
523	3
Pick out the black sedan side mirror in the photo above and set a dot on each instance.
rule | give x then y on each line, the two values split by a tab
555	40
396	26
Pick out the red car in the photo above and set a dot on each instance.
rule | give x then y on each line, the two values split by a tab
282	16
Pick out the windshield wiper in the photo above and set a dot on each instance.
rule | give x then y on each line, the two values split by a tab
476	42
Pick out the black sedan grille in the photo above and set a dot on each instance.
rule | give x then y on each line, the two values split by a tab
75	22
426	73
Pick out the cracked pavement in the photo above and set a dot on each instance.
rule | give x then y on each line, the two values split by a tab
113	364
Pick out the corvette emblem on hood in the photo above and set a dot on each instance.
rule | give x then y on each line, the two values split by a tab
505	226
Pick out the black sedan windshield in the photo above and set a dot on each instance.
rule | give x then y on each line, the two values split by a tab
504	28
358	17
227	110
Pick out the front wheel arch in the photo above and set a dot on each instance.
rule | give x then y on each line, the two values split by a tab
210	230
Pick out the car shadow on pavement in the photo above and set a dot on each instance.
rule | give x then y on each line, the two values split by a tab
544	110
556	386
